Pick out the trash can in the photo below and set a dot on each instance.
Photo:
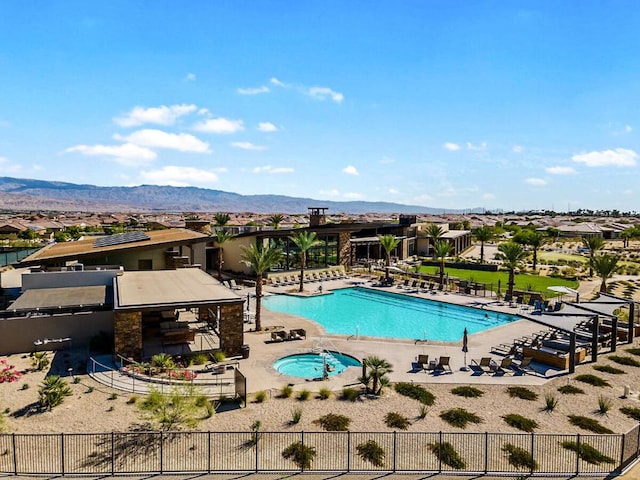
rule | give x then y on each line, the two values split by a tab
245	351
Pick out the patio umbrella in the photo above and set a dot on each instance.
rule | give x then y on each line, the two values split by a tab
465	348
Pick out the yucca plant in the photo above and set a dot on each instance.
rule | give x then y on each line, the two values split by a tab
52	392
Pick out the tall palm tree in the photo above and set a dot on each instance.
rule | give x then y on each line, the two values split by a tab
388	243
434	232
304	241
605	266
260	260
376	369
593	244
511	254
221	237
221	219
275	220
535	240
483	234
442	250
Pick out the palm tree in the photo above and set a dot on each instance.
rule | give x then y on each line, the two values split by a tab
376	369
275	220
388	243
442	250
260	260
304	241
221	237
483	234
511	254
221	219
535	240
593	244
626	235
434	232
605	266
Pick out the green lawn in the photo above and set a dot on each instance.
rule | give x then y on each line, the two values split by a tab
554	257
523	281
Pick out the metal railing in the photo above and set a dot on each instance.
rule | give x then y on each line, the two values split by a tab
142	452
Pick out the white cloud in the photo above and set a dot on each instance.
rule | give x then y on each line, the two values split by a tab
628	129
477	148
278	83
267	127
628	191
179	176
247	146
353	196
220	125
619	157
517	149
203	111
151	138
191	77
8	167
452	147
253	90
488	196
350	170
3	159
393	191
329	193
558	170
536	182
269	169
322	93
127	154
162	115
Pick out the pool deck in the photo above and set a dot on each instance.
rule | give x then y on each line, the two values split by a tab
400	353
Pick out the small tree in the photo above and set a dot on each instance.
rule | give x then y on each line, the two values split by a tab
221	237
301	455
52	392
304	241
182	406
605	266
388	243
434	232
511	254
221	219
275	220
483	234
376	374
593	244
442	251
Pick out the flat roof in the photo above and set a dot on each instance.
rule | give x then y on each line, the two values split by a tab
85	247
159	289
60	298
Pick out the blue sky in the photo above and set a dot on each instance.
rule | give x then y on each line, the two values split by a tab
448	104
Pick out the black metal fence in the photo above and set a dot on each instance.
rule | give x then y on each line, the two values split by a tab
200	452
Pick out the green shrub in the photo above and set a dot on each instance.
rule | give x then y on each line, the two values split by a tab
255	434
198	358
219	356
162	361
592	380
296	415
332	422
521	423
589	424
113	396
260	396
633	351
25	386
467	392
132	399
286	391
519	457
459	417
89	390
631	412
40	361
609	369
301	455
587	453
396	420
570	390
350	394
448	455
52	392
303	395
417	392
522	392
550	402
371	452
604	404
324	393
628	361
422	412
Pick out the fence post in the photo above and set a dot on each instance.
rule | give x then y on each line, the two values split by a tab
256	447
622	450
533	438
209	451
113	453
578	454
302	442
15	456
638	441
348	450
486	452
161	452
62	451
395	449
440	452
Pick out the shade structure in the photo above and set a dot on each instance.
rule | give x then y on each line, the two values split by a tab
562	289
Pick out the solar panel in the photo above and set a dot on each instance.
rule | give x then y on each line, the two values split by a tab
120	239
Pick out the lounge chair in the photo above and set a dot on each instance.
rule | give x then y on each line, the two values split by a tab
404	284
423	287
297	334
423	362
486	364
524	366
443	365
234	285
279	336
505	366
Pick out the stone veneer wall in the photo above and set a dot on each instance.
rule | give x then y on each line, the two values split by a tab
344	248
127	333
231	329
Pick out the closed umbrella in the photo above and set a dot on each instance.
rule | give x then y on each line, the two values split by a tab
465	348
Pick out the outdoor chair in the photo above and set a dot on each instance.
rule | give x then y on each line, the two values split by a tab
279	336
486	364
443	365
297	334
524	366
423	287
423	362
505	366
234	285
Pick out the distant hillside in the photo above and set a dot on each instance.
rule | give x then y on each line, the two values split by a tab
24	194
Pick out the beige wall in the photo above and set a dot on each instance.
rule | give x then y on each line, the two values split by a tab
18	334
232	254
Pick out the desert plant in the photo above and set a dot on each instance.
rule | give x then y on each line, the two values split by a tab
448	455
570	390
550	402
467	391
25	386
422	412
301	455
52	392
219	356
622	360
633	351
459	417
592	380
260	396
324	393
350	394
255	433
76	380
375	378
286	391
396	420
589	424
604	404
198	358
179	407
40	361
332	422
296	415
609	369
113	396
162	361
521	423
587	453
522	392
132	399
519	457
631	412
303	395
417	392
89	390
371	452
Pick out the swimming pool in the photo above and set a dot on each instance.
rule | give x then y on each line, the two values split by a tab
367	312
311	365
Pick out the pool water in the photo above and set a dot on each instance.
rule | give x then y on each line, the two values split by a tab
367	312
311	365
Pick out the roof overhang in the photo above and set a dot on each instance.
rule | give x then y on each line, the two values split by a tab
60	299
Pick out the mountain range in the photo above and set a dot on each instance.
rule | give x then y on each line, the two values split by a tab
18	194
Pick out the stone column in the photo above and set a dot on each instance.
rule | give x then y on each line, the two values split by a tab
344	249
127	333
231	329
